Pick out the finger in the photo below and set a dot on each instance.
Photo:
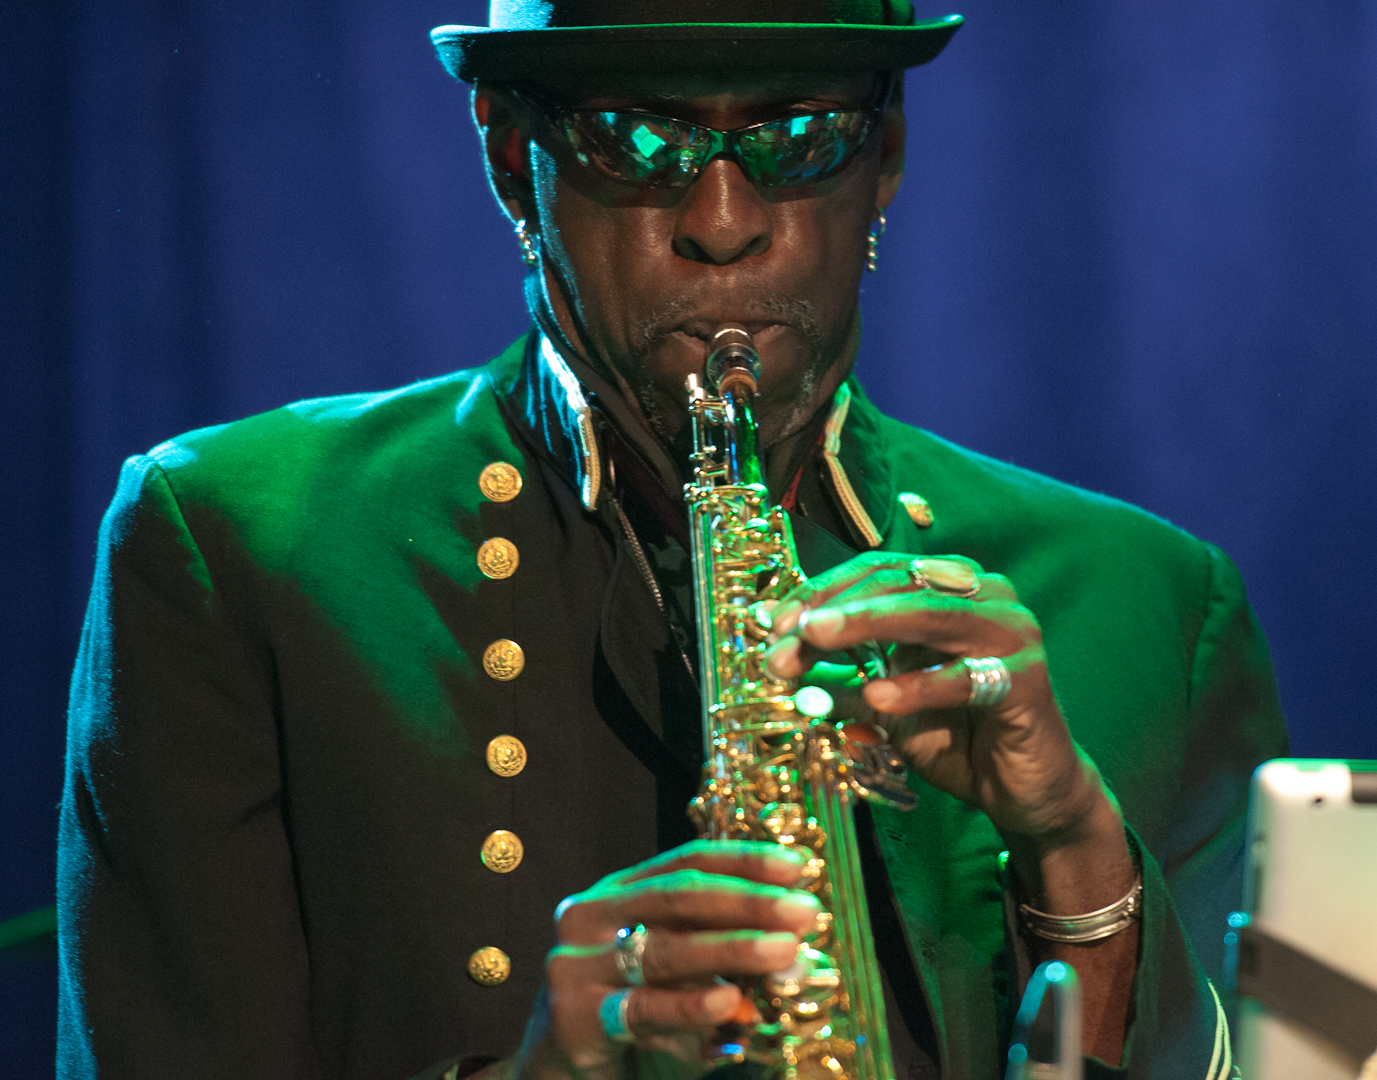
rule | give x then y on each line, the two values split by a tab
944	687
947	686
651	1010
690	899
790	657
686	900
679	960
769	864
882	579
888	568
987	587
672	959
948	623
995	587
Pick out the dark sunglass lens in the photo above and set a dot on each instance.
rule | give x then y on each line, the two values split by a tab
803	149
635	147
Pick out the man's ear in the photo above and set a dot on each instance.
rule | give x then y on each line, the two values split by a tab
502	133
892	127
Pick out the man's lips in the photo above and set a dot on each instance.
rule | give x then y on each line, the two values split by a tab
704	326
761	330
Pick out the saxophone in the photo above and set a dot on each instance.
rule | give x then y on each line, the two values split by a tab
776	768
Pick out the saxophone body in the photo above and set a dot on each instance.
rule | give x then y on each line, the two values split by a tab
777	769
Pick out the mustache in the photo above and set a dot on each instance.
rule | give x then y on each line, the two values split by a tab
672	316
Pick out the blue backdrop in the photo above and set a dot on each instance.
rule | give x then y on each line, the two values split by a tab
1136	248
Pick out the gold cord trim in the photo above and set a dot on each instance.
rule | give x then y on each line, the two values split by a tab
588	441
831	447
1222	1058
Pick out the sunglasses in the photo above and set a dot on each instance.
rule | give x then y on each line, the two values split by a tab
661	151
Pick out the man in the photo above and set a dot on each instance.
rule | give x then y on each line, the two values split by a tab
369	685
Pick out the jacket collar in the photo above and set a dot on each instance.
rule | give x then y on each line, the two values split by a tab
564	408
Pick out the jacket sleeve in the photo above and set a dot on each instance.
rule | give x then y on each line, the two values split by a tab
1194	877
181	946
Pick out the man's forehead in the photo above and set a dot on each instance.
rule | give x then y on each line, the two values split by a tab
713	87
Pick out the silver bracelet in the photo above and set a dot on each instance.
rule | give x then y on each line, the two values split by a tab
1092	926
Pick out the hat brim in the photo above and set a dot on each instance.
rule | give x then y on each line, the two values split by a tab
479	52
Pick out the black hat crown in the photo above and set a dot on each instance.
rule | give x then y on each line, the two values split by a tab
534	39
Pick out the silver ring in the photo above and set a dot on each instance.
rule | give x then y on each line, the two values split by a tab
921	581
612	1013
629	952
990	680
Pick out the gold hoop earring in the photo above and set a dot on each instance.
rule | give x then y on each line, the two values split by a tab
529	255
872	242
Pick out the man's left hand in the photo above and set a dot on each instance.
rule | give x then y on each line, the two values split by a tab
1016	760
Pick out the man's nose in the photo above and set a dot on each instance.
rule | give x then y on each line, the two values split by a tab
722	217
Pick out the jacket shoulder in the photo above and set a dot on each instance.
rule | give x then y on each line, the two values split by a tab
345	474
354	440
1008	507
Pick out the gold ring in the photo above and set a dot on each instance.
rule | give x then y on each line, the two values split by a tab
962	581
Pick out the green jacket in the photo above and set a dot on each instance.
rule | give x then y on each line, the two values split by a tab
277	787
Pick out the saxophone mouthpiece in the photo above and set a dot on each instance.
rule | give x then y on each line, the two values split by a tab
732	361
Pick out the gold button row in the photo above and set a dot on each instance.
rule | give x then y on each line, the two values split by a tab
503	660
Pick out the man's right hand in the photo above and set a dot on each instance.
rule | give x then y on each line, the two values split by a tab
711	909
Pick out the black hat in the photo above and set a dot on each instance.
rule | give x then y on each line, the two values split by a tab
535	39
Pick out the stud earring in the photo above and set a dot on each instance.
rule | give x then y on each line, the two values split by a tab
872	243
527	242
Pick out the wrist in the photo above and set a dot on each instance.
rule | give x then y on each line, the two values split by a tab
1079	866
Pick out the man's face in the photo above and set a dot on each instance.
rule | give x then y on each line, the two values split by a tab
644	275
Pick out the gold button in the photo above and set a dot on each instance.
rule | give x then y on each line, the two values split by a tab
499	482
506	755
503	660
917	507
489	966
502	851
498	557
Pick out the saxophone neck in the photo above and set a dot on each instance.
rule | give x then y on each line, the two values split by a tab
722	408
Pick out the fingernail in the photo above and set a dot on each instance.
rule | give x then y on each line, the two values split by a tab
789	855
781	659
721	1000
824	621
784	617
881	693
798	907
777	946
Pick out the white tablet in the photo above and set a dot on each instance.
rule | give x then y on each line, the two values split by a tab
1307	961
